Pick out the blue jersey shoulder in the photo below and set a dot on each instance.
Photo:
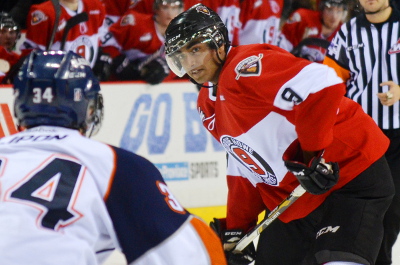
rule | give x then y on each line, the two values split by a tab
143	210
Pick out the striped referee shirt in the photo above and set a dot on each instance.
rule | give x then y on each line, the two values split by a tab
365	55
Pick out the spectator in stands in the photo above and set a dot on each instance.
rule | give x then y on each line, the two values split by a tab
136	42
308	33
260	21
9	33
18	9
84	38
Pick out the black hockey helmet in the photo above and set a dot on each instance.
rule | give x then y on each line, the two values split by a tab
6	21
330	3
198	21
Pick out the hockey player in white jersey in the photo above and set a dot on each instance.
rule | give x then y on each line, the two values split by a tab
68	200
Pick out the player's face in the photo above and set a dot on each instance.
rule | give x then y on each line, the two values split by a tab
332	16
374	5
8	38
165	13
201	62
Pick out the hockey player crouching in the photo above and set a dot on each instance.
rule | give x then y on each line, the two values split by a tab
284	121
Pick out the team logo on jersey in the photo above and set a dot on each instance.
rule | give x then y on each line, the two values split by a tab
250	66
128	20
202	9
395	48
250	159
37	17
209	122
84	47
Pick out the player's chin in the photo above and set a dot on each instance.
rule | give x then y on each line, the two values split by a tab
199	79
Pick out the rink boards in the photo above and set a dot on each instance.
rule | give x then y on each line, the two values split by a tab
162	124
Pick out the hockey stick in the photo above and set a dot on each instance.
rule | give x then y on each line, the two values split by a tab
73	21
57	10
253	234
151	57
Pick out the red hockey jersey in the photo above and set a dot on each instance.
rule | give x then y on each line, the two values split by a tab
11	58
115	9
267	98
84	39
260	21
305	23
135	35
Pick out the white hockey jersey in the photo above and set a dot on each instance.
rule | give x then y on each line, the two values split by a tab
66	199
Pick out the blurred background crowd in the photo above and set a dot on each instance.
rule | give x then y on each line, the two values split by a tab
124	39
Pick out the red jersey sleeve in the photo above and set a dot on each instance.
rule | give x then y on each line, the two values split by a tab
40	21
300	24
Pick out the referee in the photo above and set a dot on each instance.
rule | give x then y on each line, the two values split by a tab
366	54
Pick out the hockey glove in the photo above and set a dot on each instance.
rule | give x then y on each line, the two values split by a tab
155	71
318	176
229	239
124	69
102	66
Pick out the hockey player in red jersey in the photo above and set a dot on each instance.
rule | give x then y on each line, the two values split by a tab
136	43
305	24
9	34
283	121
260	21
83	38
67	199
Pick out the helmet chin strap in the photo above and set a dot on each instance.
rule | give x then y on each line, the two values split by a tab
378	11
201	85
